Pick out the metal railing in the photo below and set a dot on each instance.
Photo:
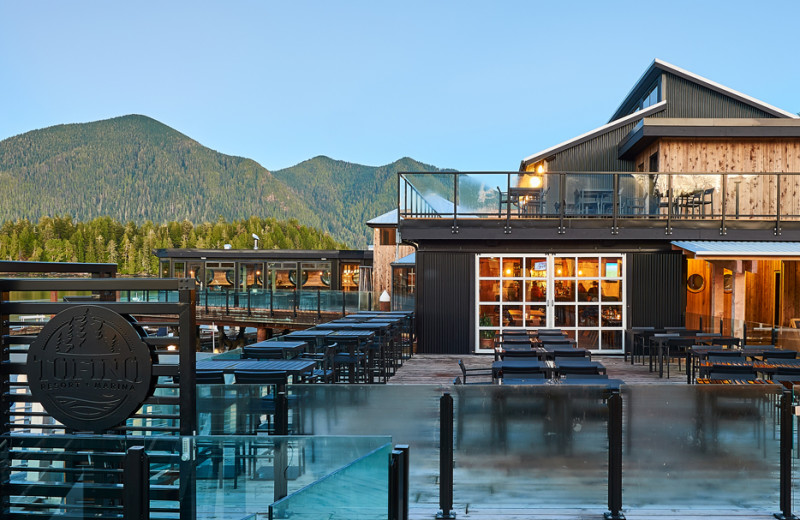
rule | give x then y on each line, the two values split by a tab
660	199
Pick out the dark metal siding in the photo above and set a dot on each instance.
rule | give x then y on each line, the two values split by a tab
657	289
688	99
597	154
445	299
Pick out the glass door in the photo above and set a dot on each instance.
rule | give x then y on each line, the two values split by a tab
580	294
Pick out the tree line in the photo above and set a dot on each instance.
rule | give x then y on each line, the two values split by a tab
130	246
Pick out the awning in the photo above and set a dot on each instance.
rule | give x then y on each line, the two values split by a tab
406	261
729	250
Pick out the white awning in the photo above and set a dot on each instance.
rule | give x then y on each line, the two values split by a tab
729	250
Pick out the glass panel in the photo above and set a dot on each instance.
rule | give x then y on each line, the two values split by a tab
164	266
587	291
512	316
219	274
587	315
512	291
489	290
587	268
611	339
529	447
564	267
535	315
349	277
489	267
536	291
536	267
512	267
588	339
640	194
564	315
706	447
564	290
179	269
612	315
490	316
611	268
315	276
282	275
612	291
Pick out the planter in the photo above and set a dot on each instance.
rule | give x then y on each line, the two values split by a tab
487	343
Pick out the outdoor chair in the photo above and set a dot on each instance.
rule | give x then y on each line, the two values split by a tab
350	365
473	371
209	377
325	371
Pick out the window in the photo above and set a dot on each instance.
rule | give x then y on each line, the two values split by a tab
388	237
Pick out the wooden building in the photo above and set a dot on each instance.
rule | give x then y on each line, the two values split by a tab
621	226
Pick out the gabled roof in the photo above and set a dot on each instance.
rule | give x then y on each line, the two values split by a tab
544	154
658	66
388	219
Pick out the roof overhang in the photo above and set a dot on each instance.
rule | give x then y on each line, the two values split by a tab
650	129
728	250
407	261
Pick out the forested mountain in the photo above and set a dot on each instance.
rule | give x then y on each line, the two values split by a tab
349	194
133	168
130	246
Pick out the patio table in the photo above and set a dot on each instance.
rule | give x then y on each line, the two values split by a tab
312	336
356	341
284	349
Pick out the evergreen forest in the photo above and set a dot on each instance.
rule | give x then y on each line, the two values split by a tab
130	245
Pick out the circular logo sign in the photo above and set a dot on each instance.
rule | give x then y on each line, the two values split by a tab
89	368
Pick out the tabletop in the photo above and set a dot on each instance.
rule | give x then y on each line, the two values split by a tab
292	367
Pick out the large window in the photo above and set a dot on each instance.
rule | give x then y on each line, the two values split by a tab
581	294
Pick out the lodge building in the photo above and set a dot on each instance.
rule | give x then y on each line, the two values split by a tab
684	207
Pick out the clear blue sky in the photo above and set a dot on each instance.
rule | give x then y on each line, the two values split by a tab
466	85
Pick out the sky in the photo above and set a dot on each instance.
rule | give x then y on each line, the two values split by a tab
475	86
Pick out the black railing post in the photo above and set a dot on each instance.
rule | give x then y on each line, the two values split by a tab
615	205
398	483
777	231
369	301
774	336
614	457
701	324
455	203
744	333
249	301
281	454
319	305
227	301
271	307
562	188
446	457
669	205
294	302
723	229
136	484
206	300
787	427
344	305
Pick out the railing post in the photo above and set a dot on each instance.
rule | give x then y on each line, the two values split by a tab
446	457
774	336
398	483
319	305
615	205
136	484
777	231
369	301
455	203
562	188
614	457
249	301
669	205
723	230
227	301
787	427
344	305
206	300
508	204
294	302
744	334
271	307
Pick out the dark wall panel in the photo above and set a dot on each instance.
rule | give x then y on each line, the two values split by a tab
445	294
597	154
657	289
688	99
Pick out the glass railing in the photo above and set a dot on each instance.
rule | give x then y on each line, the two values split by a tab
260	300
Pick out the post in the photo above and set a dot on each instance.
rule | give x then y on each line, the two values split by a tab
271	308
398	483
319	305
701	324
744	333
136	484
787	425
446	457
206	300
723	229
774	336
455	203
615	205
281	455
344	305
227	301
614	457
249	301
777	231
369	301
294	302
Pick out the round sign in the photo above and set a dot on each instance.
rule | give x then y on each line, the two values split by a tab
89	368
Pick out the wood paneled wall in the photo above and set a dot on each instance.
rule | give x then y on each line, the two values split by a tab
757	195
382	259
698	303
791	291
760	287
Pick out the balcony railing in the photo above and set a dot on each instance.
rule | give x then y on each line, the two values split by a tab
658	199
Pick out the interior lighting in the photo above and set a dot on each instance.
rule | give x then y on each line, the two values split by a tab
172	347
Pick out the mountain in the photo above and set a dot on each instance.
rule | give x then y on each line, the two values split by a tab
134	168
349	194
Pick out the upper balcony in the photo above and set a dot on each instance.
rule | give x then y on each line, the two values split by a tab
599	205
